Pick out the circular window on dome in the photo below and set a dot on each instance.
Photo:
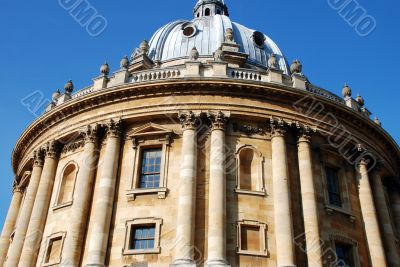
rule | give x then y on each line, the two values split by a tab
189	30
259	39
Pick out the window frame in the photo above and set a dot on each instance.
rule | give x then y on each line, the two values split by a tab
141	172
57	205
337	187
340	238
50	238
130	224
263	238
146	137
333	160
261	191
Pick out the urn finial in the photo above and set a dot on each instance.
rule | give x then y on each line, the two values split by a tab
105	69
377	121
229	37
296	67
360	100
69	87
124	62
346	92
194	54
273	62
144	47
56	95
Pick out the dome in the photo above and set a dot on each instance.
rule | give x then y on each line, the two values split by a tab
207	32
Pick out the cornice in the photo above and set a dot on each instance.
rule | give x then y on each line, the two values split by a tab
226	87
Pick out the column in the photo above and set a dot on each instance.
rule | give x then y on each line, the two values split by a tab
382	208
282	212
217	193
185	227
309	198
104	202
9	224
41	208
370	218
82	198
14	252
394	196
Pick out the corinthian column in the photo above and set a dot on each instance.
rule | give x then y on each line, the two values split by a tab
370	218
9	224
40	209
185	229
14	252
382	208
217	193
282	213
309	198
104	202
82	196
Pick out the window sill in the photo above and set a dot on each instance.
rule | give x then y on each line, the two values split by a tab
141	251
249	192
253	253
133	193
330	209
61	206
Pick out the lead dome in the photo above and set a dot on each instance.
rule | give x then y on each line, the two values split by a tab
174	41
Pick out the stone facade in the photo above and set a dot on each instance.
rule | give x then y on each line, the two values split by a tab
244	160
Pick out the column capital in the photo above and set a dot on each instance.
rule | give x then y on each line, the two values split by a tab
90	134
304	132
52	149
278	127
189	120
114	128
218	119
18	189
38	158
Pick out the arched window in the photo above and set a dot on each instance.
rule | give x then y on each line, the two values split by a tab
218	12
207	12
66	188
250	171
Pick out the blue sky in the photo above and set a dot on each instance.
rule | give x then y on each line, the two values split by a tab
42	47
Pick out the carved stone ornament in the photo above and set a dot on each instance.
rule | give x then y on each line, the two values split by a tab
346	92
189	120
273	62
105	69
278	126
90	134
219	55
304	132
194	54
38	158
73	146
52	149
124	64
144	47
218	120
296	67
113	128
249	130
229	37
69	87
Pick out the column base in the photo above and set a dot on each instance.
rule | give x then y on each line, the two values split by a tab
217	263
183	263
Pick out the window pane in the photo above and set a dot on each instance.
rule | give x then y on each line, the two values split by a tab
151	168
250	236
142	237
333	187
344	253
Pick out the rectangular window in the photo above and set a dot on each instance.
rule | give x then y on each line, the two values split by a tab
345	255
151	168
54	250
142	237
333	187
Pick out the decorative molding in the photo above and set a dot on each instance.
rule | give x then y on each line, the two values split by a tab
278	126
91	134
304	132
38	158
114	128
52	149
249	130
218	119
189	120
73	146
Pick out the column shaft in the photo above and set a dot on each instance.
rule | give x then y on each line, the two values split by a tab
282	212
103	206
10	222
217	194
395	204
371	225
388	233
14	252
185	228
310	206
40	209
82	196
